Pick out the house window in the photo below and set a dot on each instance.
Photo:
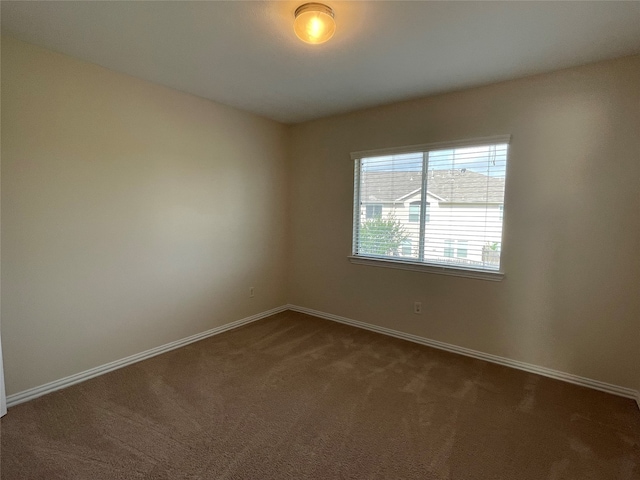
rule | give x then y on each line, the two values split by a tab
374	211
406	248
461	248
455	195
448	248
414	212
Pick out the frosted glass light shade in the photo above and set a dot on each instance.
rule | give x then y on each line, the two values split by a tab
314	23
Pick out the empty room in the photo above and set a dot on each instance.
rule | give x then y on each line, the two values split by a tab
337	240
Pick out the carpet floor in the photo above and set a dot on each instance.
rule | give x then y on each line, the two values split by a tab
297	397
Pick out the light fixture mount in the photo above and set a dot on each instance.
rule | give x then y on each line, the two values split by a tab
314	23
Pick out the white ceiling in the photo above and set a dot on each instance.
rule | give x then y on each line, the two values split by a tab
245	54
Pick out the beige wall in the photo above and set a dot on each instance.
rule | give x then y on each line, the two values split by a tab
132	215
570	299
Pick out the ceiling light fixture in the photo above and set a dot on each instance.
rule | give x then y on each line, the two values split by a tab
314	23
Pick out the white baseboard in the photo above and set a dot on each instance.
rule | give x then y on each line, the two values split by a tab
527	367
36	392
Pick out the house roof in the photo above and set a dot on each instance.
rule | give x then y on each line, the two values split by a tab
455	186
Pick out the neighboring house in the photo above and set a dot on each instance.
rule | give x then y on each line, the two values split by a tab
463	214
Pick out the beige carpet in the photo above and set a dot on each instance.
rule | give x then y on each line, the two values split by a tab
295	397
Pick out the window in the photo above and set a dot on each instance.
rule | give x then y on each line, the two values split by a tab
445	207
448	248
406	248
461	249
414	212
374	211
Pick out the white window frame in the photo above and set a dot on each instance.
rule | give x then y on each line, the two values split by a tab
404	264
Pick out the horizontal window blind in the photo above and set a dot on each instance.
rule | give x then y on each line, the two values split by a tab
437	206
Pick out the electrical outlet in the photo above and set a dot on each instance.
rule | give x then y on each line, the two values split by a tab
417	307
251	292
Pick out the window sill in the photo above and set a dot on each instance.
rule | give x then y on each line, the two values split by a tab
427	268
